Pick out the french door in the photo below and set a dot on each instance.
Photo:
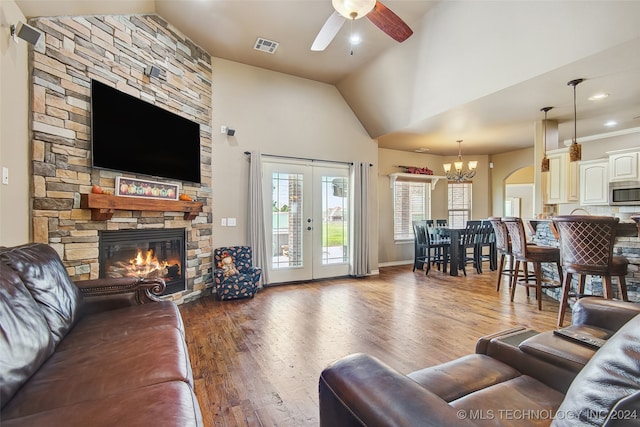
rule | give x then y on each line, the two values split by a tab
307	220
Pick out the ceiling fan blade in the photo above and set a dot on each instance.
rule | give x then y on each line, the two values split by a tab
383	18
328	31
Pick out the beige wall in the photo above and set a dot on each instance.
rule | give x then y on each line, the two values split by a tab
392	252
504	165
14	141
521	176
276	113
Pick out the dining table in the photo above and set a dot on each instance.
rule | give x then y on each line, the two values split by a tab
454	235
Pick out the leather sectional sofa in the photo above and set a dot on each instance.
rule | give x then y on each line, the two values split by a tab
95	353
515	378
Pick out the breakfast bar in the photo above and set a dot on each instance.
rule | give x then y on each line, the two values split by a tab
627	244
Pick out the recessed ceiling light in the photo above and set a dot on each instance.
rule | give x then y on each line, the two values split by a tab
611	123
598	96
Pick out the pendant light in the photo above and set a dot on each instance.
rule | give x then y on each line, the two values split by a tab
575	149
545	160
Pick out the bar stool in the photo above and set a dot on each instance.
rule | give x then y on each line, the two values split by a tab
586	247
530	253
503	249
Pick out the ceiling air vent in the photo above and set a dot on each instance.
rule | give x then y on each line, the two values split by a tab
264	45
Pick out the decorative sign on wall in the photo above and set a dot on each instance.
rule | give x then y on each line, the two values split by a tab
132	187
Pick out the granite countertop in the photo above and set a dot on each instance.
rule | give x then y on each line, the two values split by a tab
627	228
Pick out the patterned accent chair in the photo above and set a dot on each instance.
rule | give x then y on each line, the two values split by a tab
234	274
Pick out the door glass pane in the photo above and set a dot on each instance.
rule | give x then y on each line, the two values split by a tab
287	225
335	231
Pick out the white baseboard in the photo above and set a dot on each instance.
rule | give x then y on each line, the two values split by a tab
394	263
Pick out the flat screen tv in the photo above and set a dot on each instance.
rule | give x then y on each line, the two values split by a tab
131	135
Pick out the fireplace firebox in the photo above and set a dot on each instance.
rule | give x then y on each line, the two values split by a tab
156	253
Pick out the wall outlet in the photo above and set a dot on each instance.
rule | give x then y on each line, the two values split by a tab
231	222
5	175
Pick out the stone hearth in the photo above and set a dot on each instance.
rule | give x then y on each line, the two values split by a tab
114	50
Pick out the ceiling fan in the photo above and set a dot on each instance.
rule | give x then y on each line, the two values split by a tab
380	15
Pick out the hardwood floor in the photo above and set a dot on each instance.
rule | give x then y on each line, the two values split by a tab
256	362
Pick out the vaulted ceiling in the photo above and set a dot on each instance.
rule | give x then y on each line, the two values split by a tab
473	70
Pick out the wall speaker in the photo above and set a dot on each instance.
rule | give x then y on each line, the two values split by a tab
152	71
231	132
25	32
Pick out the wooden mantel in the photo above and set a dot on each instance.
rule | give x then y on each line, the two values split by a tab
104	206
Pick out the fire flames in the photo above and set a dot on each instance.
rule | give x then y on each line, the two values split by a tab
147	265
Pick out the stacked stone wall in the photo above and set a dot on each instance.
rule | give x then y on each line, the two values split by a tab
114	50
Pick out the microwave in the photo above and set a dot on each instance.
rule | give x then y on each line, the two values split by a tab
624	193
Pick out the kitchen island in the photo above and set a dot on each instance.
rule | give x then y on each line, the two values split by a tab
627	245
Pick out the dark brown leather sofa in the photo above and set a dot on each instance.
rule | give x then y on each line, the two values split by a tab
515	378
94	353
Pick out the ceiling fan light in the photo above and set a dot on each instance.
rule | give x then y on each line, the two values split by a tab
353	9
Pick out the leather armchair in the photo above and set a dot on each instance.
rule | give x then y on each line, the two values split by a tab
498	385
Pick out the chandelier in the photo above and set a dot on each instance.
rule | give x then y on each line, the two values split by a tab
458	174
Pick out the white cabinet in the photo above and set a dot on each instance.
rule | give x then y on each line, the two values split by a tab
562	182
594	182
623	165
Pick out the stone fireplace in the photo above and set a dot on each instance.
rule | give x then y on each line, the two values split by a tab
116	50
152	254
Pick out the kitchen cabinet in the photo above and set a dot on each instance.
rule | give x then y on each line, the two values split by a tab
594	182
563	178
623	165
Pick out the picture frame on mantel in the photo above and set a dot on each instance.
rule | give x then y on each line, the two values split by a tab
133	187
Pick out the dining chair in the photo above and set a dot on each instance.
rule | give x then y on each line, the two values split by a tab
485	247
535	254
442	222
437	249
466	247
586	249
419	244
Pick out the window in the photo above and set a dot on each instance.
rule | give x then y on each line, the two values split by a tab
410	203
459	204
